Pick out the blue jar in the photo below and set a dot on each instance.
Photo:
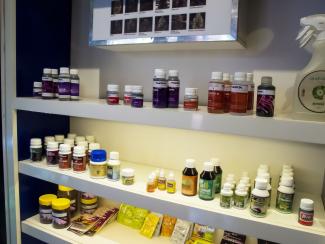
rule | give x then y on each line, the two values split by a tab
98	164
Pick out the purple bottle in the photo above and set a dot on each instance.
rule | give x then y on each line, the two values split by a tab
160	89
173	89
47	84
265	98
74	86
64	84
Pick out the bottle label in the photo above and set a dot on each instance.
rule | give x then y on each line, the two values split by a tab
79	163
162	184
64	87
113	99
214	86
206	189
137	102
189	185
225	201
45	215
266	92
160	96
65	161
160	84
284	202
60	219
240	202
191	104
52	157
173	95
127	99
217	183
239	88
259	206
265	103
75	89
113	172
311	92
47	87
306	217
215	101
171	186
173	84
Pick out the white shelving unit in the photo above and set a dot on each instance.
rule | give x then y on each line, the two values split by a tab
276	227
280	127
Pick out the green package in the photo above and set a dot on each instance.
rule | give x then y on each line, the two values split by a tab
132	216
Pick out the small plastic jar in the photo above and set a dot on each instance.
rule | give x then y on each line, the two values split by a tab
52	153
85	145
127	175
72	136
36	149
45	208
137	97
79	139
88	203
127	95
37	89
61	213
113	94
72	195
59	138
306	212
98	164
79	159
47	139
65	156
191	99
92	146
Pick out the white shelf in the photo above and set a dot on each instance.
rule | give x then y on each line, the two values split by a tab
282	128
275	227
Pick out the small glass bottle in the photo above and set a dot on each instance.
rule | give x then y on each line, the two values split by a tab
173	89
36	149
207	182
151	185
160	89
137	97
55	78
216	93
239	94
113	166
75	85
52	153
227	79
113	94
226	195
64	84
189	178
127	94
37	89
265	98
251	92
47	84
61	213
171	183
79	159
191	99
218	173
72	195
162	181
65	156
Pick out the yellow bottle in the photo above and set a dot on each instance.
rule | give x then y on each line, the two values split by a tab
162	181
171	183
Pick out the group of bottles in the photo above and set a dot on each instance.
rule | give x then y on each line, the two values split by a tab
133	95
209	181
158	180
64	86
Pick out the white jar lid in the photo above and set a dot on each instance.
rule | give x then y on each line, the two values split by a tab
190	163
59	138
249	77
79	138
208	166
215	161
65	148
227	186
128	88
73	71
54	71
37	84
191	91
226	76
127	172
113	87
36	142
261	184
52	145
64	70
160	73
216	75
173	73
47	71
137	89
48	139
94	146
90	139
114	155
286	181
72	135
79	150
83	143
69	141
307	204
240	76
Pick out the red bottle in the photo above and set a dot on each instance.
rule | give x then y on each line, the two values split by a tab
227	91
216	93
239	94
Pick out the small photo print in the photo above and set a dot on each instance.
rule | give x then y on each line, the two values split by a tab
179	22
146	5
179	3
145	24
197	2
162	4
197	21
117	7
131	6
116	27
162	23
130	26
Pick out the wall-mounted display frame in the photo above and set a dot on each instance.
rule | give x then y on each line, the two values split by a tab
122	22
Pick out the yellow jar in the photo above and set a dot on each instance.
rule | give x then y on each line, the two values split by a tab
45	208
61	213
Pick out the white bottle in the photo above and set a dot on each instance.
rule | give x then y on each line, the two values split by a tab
310	82
226	193
113	166
259	199
240	198
285	195
266	176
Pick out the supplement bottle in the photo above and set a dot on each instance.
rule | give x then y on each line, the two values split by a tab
113	166
285	195
37	89
160	89
151	185
61	213
59	139
85	145
72	195
92	146
79	159
45	208
306	212
266	176
191	99
226	195
207	182
88	203
216	93
239	94
227	91
113	94
171	183
218	173
251	90
47	139
47	84
265	98
64	84
65	157
52	153
189	178
137	97
259	199
71	136
173	89
75	84
127	176
55	78
98	164
161	181
127	94
36	149
240	198
79	139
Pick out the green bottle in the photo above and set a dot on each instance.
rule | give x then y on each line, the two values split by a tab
218	173
207	182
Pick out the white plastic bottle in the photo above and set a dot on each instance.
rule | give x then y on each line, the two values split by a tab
285	195
226	196
240	198
259	199
113	166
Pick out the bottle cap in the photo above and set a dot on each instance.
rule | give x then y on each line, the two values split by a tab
65	148
232	77
54	71
171	176
208	166
261	171
98	155
128	88
160	74
113	87
216	75
47	71
90	139
60	204
215	161
286	181
46	200
190	163
94	146
173	73
79	150
191	91
245	179
52	145
73	71
83	143
64	70
249	77
37	84
48	139
226	76
307	204
137	89
161	173
127	172
69	141
227	186
261	184
264	166
286	166
265	176
65	188
72	135
240	76
151	178
266	80
114	155
36	142
59	138
79	138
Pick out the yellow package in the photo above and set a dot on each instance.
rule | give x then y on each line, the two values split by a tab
168	225
149	225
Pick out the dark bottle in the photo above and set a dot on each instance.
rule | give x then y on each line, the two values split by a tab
160	89
189	178
207	182
218	173
173	89
265	98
